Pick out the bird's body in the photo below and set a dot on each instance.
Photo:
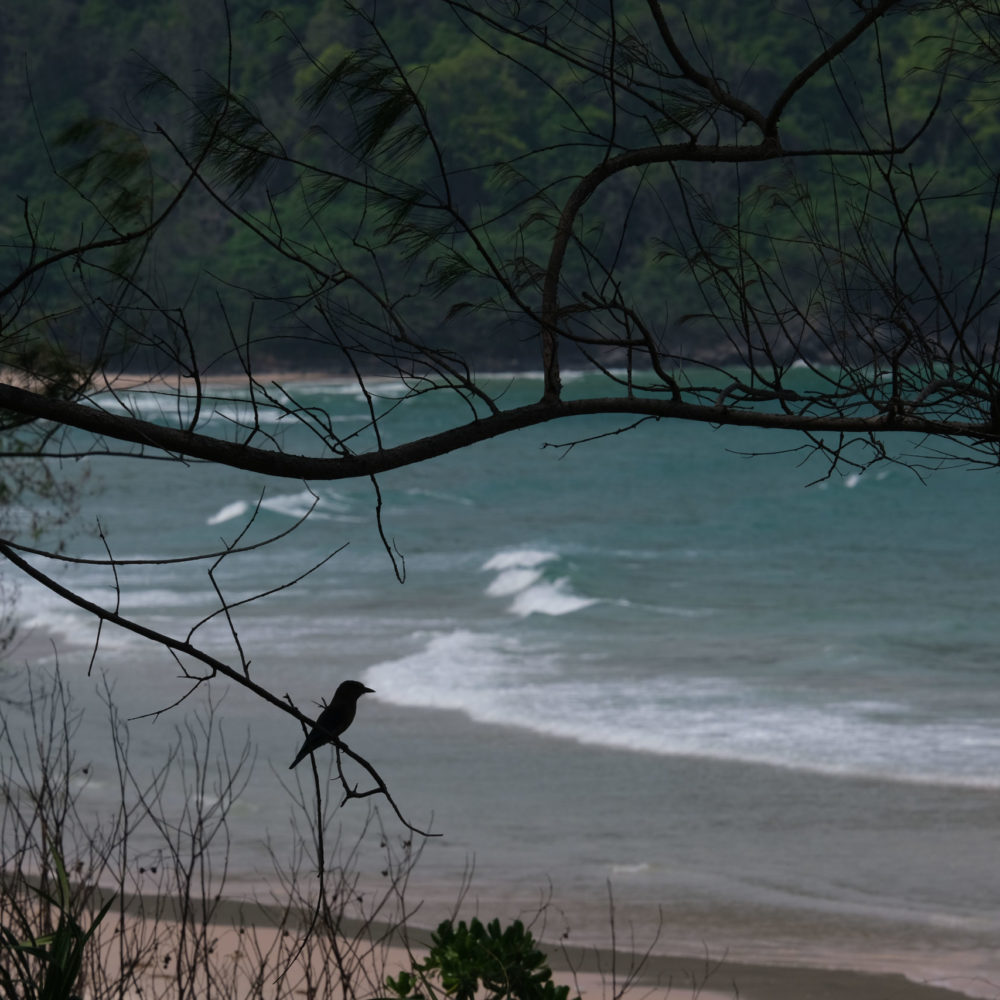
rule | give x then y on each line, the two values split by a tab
334	719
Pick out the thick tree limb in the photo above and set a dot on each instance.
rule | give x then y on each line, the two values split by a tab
236	455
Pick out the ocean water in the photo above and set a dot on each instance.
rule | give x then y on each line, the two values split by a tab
763	714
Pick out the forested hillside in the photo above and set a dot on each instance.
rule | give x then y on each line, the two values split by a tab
508	130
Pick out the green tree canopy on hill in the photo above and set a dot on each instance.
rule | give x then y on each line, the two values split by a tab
517	107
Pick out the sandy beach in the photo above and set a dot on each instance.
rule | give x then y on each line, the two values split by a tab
244	938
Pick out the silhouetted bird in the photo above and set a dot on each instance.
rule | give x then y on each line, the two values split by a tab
334	719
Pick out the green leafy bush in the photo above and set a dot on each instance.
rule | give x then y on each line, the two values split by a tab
507	963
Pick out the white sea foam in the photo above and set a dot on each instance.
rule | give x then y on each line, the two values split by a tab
518	559
243	414
855	479
520	574
42	613
555	598
510	581
224	406
148	405
167	598
293	505
499	680
59	622
482	675
438	495
235	509
296	505
631	868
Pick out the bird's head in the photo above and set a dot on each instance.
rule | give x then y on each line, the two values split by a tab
352	690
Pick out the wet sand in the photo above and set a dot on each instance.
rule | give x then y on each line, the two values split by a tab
593	973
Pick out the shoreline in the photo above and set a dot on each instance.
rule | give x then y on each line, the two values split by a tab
596	973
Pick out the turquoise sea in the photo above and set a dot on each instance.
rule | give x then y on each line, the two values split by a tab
660	663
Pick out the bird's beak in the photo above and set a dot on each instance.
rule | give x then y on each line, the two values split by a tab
369	690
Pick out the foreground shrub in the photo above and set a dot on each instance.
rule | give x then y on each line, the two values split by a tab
505	962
